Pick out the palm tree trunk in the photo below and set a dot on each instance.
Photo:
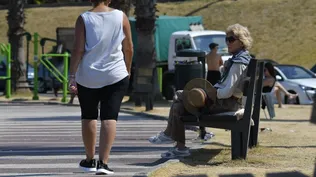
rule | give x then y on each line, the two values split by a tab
16	21
145	64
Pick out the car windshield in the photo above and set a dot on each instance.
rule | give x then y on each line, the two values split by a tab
296	72
203	42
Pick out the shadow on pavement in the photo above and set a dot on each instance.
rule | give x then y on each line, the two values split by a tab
283	120
191	175
157	162
238	175
30	175
201	157
160	103
286	174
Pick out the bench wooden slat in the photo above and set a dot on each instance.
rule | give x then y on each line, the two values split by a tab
237	125
253	139
225	116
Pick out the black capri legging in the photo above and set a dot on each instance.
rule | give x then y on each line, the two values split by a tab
110	97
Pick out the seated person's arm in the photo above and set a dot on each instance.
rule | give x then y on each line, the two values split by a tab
231	81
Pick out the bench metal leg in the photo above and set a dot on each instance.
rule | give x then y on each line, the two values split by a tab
239	144
245	142
254	129
236	144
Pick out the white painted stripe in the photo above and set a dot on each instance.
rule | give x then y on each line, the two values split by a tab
58	123
58	137
64	174
62	166
74	131
75	126
60	157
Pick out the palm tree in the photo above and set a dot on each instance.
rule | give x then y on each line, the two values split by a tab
16	21
145	64
124	5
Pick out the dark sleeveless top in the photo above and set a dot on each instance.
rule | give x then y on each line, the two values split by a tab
267	89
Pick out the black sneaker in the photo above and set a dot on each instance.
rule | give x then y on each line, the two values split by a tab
88	166
103	169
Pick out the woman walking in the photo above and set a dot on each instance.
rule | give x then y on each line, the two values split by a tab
99	74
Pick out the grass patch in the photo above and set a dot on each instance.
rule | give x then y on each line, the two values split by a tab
283	30
289	147
222	157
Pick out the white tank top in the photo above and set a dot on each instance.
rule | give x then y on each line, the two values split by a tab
103	61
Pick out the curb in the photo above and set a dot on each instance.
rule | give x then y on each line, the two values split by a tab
149	171
143	114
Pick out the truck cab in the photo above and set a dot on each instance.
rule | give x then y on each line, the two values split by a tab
198	40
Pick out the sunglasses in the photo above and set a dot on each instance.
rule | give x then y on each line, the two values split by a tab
230	39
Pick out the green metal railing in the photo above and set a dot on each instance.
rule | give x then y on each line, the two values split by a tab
42	59
50	67
6	50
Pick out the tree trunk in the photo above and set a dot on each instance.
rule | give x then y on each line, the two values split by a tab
16	21
123	5
145	64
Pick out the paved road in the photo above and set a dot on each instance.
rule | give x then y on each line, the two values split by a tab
41	140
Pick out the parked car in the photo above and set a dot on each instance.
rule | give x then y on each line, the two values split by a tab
270	61
313	69
297	79
2	73
44	79
45	82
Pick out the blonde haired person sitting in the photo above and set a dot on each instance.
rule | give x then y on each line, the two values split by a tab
225	95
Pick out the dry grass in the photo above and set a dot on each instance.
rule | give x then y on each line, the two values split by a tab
291	146
283	30
45	27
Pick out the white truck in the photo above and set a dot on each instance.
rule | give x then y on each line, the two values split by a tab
199	40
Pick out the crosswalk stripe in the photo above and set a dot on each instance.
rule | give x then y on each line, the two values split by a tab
47	141
25	123
5	133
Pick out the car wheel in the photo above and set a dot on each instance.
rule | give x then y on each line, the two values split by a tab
41	86
291	101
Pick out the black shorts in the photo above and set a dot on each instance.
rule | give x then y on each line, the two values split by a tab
213	76
110	98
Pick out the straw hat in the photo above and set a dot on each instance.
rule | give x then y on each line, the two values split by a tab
197	93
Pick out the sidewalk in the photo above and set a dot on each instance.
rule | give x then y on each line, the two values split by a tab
160	111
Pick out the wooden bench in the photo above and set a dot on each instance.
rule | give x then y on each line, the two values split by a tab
242	133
